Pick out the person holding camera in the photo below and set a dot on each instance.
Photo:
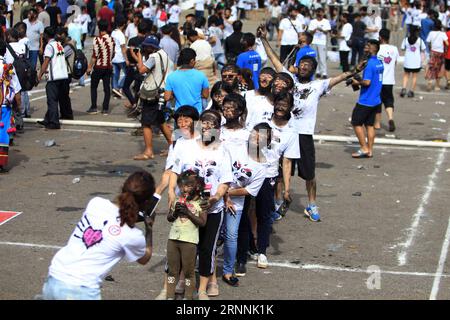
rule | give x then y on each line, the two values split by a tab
369	101
157	66
105	234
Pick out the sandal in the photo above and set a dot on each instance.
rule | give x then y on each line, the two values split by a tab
202	295
164	153
212	290
361	154
143	156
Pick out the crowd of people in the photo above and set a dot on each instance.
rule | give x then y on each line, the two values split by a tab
244	118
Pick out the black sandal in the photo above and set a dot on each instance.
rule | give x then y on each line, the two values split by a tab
233	281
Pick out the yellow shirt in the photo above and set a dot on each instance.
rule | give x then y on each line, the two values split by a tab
183	229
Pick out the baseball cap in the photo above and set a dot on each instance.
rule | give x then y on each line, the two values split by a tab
151	41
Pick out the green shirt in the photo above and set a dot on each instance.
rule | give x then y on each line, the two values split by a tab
183	229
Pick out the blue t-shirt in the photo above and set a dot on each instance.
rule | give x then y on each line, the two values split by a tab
305	51
370	96
187	86
250	60
426	27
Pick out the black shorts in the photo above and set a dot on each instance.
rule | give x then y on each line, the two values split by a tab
447	64
363	115
408	70
151	115
307	162
387	96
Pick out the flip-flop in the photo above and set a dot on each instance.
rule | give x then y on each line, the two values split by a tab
143	156
361	154
164	153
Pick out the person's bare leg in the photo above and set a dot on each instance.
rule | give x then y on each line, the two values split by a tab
167	132
405	80
361	135
390	113
377	124
414	82
161	187
311	188
148	140
438	84
203	284
370	139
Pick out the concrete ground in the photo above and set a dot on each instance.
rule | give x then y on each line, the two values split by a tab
390	242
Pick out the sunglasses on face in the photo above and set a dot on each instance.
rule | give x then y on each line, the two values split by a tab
229	76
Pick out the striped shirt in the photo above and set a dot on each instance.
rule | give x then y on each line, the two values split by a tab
103	51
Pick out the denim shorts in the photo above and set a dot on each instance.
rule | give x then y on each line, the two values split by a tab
58	290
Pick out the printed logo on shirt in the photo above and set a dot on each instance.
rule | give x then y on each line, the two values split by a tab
114	230
89	235
387	60
241	173
413	48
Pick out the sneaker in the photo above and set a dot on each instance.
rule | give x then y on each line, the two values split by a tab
162	295
92	111
105	112
212	290
284	208
253	255
410	94
117	93
276	216
403	93
312	212
241	270
391	126
42	123
179	289
262	261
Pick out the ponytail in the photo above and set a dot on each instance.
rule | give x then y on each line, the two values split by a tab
136	193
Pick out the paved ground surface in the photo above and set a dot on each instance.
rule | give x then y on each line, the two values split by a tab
388	243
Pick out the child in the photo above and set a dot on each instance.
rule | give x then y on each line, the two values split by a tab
186	216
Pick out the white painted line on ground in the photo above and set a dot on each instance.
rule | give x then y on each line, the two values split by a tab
412	231
90	123
434	93
440	268
5	221
32	92
94	131
42	97
279	264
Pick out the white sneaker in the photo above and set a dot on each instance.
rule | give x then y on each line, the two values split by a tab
262	261
162	295
253	256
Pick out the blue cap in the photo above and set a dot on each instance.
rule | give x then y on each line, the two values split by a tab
151	41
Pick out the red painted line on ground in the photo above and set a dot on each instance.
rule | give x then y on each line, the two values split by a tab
5	216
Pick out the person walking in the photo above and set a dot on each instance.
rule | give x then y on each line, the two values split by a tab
437	40
120	60
101	68
57	88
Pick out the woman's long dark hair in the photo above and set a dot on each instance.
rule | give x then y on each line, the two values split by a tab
136	191
413	35
217	87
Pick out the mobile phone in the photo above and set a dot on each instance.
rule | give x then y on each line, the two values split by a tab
150	212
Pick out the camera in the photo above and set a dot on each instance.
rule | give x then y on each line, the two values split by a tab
349	81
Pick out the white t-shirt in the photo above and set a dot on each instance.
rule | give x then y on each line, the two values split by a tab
18	47
214	165
259	109
174	13
306	101
375	22
290	35
346	32
218	34
388	54
84	19
275	12
320	37
119	40
284	144
416	17
96	245
131	31
147	13
203	49
413	59
437	39
199	5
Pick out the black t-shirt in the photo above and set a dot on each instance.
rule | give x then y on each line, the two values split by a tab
53	13
136	43
358	29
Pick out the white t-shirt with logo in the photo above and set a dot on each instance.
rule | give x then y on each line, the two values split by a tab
96	245
437	39
119	40
147	13
214	165
174	13
290	34
199	5
320	37
413	59
388	54
346	32
131	31
259	109
306	101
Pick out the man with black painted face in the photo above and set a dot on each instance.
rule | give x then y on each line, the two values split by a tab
307	94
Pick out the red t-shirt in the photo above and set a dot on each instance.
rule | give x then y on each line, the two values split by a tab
107	14
447	50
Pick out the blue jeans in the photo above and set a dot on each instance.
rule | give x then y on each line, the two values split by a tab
230	241
58	290
25	103
91	26
33	56
117	67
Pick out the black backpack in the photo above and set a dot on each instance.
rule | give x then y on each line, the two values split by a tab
80	64
25	72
